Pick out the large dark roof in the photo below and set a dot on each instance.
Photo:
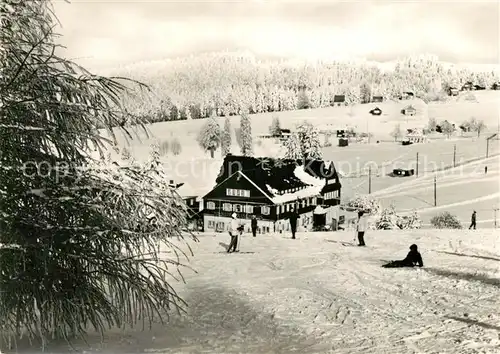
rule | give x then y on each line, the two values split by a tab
277	173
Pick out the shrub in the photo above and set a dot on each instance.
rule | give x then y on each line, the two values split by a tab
446	221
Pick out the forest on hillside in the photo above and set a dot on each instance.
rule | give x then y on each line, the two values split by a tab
226	84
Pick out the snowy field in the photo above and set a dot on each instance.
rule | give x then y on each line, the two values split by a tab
316	295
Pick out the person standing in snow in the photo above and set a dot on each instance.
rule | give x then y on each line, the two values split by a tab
253	224
412	259
361	228
473	221
293	221
234	230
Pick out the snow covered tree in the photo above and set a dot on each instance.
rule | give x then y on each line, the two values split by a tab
275	128
365	93
479	127
397	133
176	147
409	222
246	135
74	251
446	220
226	138
388	220
126	155
365	203
310	143
292	148
447	128
209	137
432	124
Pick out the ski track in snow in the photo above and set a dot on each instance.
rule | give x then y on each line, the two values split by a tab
314	295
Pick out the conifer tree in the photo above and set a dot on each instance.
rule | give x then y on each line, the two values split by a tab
396	133
275	128
310	143
246	135
74	253
226	138
209	137
292	148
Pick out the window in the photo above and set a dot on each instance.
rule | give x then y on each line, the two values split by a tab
332	181
265	210
315	201
238	192
227	207
211	224
211	206
249	209
237	208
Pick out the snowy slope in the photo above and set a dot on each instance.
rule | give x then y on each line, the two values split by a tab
314	295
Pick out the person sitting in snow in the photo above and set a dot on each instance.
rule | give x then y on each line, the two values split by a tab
412	259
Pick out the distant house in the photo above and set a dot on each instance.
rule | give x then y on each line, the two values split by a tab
415	136
495	86
453	91
407	95
270	188
377	99
479	87
376	111
339	100
468	86
409	111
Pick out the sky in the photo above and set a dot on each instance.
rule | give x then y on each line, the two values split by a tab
106	33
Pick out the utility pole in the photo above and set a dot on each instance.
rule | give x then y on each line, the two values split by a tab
417	166
454	155
495	217
435	192
370	180
487	147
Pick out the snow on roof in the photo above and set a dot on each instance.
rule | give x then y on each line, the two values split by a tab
315	185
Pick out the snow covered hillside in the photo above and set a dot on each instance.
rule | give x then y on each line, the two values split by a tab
316	295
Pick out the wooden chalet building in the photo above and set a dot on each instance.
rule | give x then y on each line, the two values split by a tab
495	86
270	188
468	86
378	99
409	111
453	91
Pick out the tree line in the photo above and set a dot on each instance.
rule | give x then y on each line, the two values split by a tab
228	84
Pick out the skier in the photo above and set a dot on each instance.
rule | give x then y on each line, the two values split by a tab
485	169
473	221
293	222
361	228
254	225
412	259
234	230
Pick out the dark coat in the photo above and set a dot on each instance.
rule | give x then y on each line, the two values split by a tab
293	219
473	217
412	259
253	223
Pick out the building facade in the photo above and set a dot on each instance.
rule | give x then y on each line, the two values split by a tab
270	189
